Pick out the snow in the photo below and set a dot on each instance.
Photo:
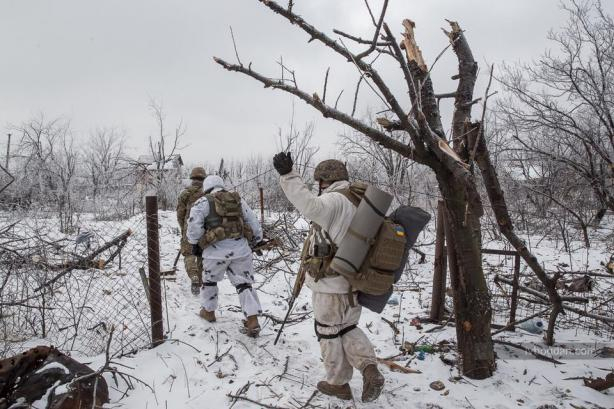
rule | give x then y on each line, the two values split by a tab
43	402
202	363
53	365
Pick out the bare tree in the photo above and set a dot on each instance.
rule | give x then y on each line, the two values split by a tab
163	148
300	144
50	164
105	166
560	107
421	121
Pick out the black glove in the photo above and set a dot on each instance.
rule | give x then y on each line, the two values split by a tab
196	250
283	163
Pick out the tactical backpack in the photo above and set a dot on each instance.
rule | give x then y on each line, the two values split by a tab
376	274
387	256
225	219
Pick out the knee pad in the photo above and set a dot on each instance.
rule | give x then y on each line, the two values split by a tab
242	287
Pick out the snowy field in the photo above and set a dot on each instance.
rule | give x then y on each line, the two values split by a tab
202	364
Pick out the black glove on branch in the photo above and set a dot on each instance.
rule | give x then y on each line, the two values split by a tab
283	163
196	250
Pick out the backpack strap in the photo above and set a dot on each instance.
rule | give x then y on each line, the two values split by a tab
354	193
213	219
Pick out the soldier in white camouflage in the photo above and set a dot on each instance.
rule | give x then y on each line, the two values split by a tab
221	227
344	346
193	263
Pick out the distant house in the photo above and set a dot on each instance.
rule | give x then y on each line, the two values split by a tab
148	168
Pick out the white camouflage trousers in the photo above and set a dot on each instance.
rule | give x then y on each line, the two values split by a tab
334	314
241	275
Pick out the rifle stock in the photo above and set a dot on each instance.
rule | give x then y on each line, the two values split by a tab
296	290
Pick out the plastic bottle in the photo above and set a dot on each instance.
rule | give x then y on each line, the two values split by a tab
534	326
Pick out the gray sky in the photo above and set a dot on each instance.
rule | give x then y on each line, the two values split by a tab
99	63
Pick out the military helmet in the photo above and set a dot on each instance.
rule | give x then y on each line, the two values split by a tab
331	170
198	173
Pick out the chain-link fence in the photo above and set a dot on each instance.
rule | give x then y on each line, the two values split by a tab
72	289
592	291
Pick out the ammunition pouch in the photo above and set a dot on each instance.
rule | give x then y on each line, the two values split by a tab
320	253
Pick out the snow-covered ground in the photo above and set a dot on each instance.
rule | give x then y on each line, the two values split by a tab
202	363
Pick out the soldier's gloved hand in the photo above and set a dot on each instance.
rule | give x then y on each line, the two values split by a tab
283	163
196	250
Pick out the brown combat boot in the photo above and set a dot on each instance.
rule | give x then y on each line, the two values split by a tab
338	391
372	383
208	315
251	327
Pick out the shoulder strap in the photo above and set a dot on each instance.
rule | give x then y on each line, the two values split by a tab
355	192
212	219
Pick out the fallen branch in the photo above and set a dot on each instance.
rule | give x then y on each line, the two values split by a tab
394	367
392	325
536	293
537	355
260	404
88	262
600	384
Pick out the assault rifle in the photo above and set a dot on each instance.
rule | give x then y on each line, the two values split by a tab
264	244
296	290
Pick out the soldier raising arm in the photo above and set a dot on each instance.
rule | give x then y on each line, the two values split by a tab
343	345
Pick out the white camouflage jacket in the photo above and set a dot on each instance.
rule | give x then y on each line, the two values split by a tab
332	211
224	249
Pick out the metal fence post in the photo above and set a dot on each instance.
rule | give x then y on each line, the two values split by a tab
261	204
153	257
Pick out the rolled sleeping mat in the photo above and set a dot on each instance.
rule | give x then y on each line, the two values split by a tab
413	220
364	226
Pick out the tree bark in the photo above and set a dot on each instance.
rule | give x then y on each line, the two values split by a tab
472	307
438	295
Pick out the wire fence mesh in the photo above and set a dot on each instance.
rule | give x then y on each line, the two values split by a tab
71	288
599	297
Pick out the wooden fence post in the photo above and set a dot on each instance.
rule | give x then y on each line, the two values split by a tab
514	305
153	257
438	297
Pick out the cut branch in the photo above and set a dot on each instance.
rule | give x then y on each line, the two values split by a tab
327	111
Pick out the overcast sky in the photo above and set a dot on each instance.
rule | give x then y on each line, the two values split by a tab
99	63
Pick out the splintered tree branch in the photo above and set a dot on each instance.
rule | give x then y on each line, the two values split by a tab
315	34
467	70
326	110
410	45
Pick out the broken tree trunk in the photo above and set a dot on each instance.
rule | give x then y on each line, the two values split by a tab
28	377
472	307
421	121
